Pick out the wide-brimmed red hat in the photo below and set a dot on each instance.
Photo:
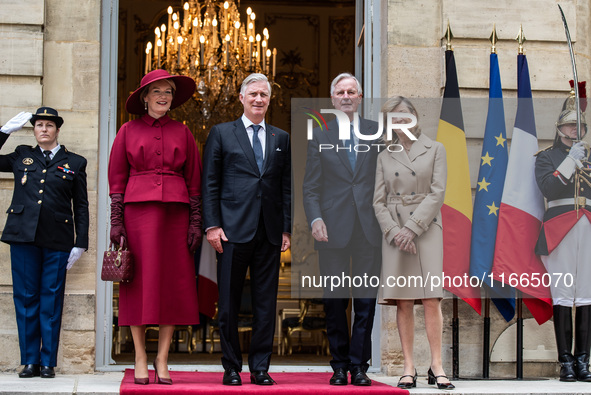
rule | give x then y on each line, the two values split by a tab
185	86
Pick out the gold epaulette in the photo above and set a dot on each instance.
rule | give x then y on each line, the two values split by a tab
543	149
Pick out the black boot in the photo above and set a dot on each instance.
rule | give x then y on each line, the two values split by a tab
563	329
582	342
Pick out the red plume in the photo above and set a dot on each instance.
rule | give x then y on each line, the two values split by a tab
582	93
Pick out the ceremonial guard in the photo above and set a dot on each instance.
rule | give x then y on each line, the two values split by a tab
563	174
47	229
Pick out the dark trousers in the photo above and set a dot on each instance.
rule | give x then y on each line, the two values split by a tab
359	260
262	258
39	279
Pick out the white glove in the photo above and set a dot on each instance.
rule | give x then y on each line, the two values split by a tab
577	151
573	160
75	254
17	122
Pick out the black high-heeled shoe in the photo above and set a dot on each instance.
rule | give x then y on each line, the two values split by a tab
158	379
405	384
442	386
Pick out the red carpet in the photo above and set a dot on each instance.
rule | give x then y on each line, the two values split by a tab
287	384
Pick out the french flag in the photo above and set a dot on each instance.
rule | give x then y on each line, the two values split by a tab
522	208
207	288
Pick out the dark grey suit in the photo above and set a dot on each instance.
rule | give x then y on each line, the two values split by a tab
343	198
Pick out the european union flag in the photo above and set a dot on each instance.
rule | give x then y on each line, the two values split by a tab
489	191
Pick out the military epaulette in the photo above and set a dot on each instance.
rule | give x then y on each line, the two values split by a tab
543	149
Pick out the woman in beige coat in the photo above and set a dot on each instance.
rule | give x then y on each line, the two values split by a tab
409	190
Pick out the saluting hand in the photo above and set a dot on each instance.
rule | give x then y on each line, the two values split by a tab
16	122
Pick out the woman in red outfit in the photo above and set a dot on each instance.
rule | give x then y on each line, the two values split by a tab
154	181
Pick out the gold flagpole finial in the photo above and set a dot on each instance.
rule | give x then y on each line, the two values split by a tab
493	40
520	39
448	36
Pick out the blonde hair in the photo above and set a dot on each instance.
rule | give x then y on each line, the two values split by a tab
390	106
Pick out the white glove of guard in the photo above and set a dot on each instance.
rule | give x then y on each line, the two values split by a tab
75	254
17	122
573	160
577	151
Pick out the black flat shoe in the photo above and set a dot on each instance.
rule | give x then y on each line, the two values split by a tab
30	370
339	377
231	377
441	386
408	384
47	372
358	377
261	377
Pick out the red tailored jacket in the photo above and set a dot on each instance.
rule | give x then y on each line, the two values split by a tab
155	160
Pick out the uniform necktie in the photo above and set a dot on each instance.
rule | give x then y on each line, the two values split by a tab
350	149
47	157
257	147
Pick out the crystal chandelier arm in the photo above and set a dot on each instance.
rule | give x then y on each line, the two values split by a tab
213	43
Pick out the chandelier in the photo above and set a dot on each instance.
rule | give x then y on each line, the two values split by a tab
211	43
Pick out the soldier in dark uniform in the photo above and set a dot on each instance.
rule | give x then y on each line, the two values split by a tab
47	229
563	175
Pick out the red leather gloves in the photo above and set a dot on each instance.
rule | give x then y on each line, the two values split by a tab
118	234
195	232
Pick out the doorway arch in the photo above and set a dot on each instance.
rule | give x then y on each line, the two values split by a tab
367	68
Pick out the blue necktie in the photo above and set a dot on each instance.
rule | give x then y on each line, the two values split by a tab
257	147
350	149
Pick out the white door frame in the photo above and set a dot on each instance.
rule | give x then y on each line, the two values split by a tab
368	66
371	65
107	132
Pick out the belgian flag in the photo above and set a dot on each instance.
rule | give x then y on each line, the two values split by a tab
457	206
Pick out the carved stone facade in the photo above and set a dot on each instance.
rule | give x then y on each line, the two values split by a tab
51	57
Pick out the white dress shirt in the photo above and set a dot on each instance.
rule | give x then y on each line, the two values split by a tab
53	151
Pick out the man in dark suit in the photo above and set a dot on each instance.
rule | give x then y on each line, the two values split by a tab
47	229
338	193
247	217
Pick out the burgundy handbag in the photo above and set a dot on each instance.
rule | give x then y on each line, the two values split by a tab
117	265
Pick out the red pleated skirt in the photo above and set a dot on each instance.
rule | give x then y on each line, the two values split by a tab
164	289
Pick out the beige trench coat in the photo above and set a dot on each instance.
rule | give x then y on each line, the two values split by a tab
409	191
